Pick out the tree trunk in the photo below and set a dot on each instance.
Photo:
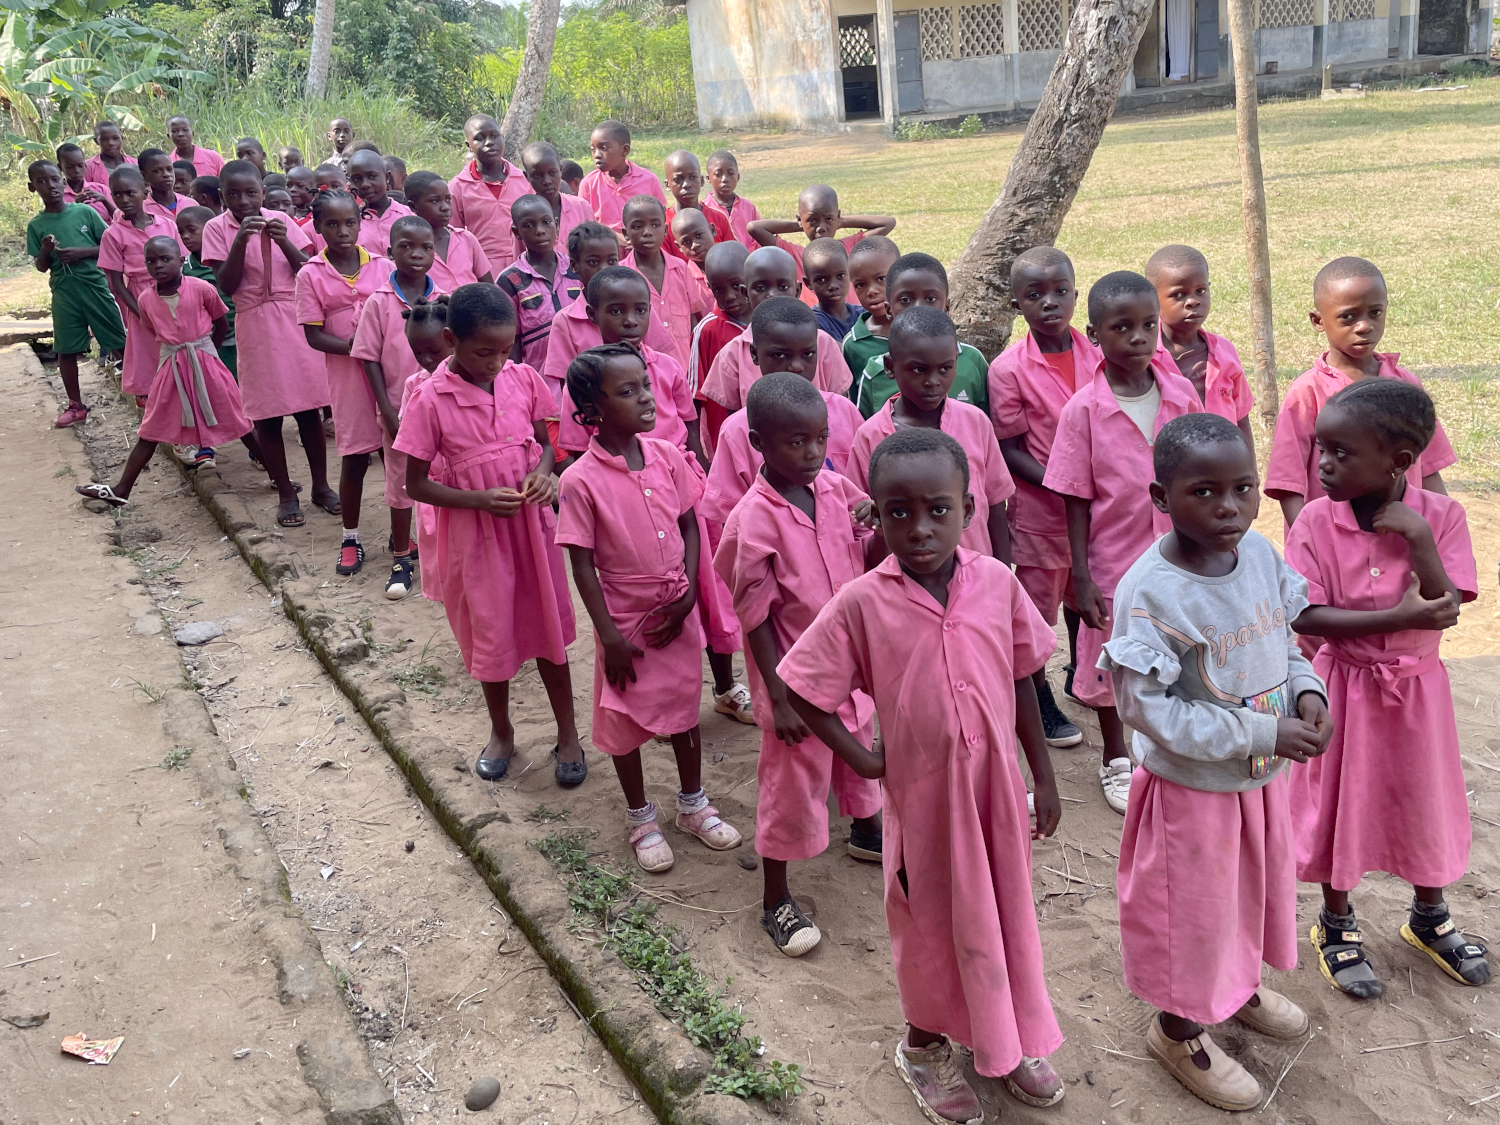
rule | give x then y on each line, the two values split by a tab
1257	247
321	51
531	82
1049	166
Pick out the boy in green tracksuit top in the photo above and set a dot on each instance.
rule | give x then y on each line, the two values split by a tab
64	241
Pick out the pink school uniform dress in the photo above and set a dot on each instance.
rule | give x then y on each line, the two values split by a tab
375	230
783	568
733	371
1389	793
505	589
629	520
205	161
679	299
737	463
608	196
740	212
95	172
326	297
537	300
465	264
1099	455
1292	467
194	400
795	249
573	332
279	373
123	248
572	212
1226	391
425	516
71	196
380	337
989	480
483	209
1207	873
167	211
964	937
1028	390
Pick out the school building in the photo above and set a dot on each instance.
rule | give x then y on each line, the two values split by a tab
816	64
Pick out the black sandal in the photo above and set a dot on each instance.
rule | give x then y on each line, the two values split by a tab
568	773
1440	939
289	513
329	501
1341	950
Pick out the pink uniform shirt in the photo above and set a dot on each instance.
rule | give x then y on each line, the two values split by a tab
537	300
483	209
795	249
573	332
71	196
465	264
375	230
1027	397
676	303
1292	468
380	336
740	213
989	479
1226	392
178	204
123	248
608	196
95	172
737	463
205	161
1100	456
574	212
733	371
674	405
964	937
191	383
326	297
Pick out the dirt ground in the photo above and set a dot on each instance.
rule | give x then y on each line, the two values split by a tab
1419	1055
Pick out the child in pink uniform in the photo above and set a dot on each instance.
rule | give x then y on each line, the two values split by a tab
484	190
1207	361
924	358
1029	384
544	174
790	544
331	292
1101	466
459	260
425	322
161	179
79	189
194	399
537	282
1350	303
818	216
784	339
677	299
1387	566
945	641
380	344
724	178
111	156
1207	671
615	181
504	587
255	255
379	212
122	259
626	516
768	272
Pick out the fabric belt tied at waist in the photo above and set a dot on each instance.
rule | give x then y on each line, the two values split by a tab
1393	672
169	353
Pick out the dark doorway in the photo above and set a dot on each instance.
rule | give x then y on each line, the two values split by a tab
1442	27
857	62
908	62
1207	63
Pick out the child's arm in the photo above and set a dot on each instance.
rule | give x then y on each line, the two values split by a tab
375	374
672	614
999	528
695	444
231	270
1020	462
502	502
220	331
870	224
1033	741
1291	507
766	231
277	229
121	291
319	339
789	726
1244	425
1090	601
829	730
540	486
1432	482
44	254
619	654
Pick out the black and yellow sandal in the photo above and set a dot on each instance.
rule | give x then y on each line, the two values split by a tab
1436	935
1341	956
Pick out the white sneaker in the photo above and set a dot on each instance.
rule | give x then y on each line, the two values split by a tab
1114	779
736	704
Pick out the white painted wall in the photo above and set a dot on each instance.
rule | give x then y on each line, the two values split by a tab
759	62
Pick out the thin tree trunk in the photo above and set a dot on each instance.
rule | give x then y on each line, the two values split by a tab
531	82
321	50
1257	247
1049	166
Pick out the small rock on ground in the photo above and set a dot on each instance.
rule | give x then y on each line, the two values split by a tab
197	633
482	1094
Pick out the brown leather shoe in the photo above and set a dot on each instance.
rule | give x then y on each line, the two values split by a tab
1225	1084
1275	1016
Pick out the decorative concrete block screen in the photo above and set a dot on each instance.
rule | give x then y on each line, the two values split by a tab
1289	13
1341	10
855	47
981	30
1042	23
937	33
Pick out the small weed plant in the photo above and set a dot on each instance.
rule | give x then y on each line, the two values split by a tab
605	903
177	757
970	126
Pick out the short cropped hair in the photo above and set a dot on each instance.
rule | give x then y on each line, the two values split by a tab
238	168
273	180
205	185
195	214
1342	269
911	263
418	183
1041	258
410	222
824	249
644	201
1175	257
366	146
874	244
773	398
472	307
585	377
39	166
69	148
148	154
1179	437
184	166
913	441
530	199
539	150
588	232
126	173
609	275
1112	287
722	156
1400	413
720	253
616	131
921	322
571	170
779	310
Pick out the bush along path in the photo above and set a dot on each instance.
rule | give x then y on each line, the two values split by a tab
663	1019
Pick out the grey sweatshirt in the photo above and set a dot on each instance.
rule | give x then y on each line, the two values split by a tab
1204	667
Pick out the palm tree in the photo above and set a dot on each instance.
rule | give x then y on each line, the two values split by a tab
322	49
531	82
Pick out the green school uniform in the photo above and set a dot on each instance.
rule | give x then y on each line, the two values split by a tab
228	353
859	344
81	301
971	383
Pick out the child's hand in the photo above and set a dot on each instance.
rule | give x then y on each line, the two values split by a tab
503	502
390	418
619	662
67	255
250	228
276	228
1091	604
1421	613
1048	810
539	488
49	244
88	195
1395	518
667	630
866	515
789	725
1312	709
1298	739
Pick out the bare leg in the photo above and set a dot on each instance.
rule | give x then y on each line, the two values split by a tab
1337	902
632	780
775	882
722	666
401	530
918	1039
67	367
1072	620
139	457
1113	732
558	681
688	747
315	445
352	487
1432	896
273	456
502	743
